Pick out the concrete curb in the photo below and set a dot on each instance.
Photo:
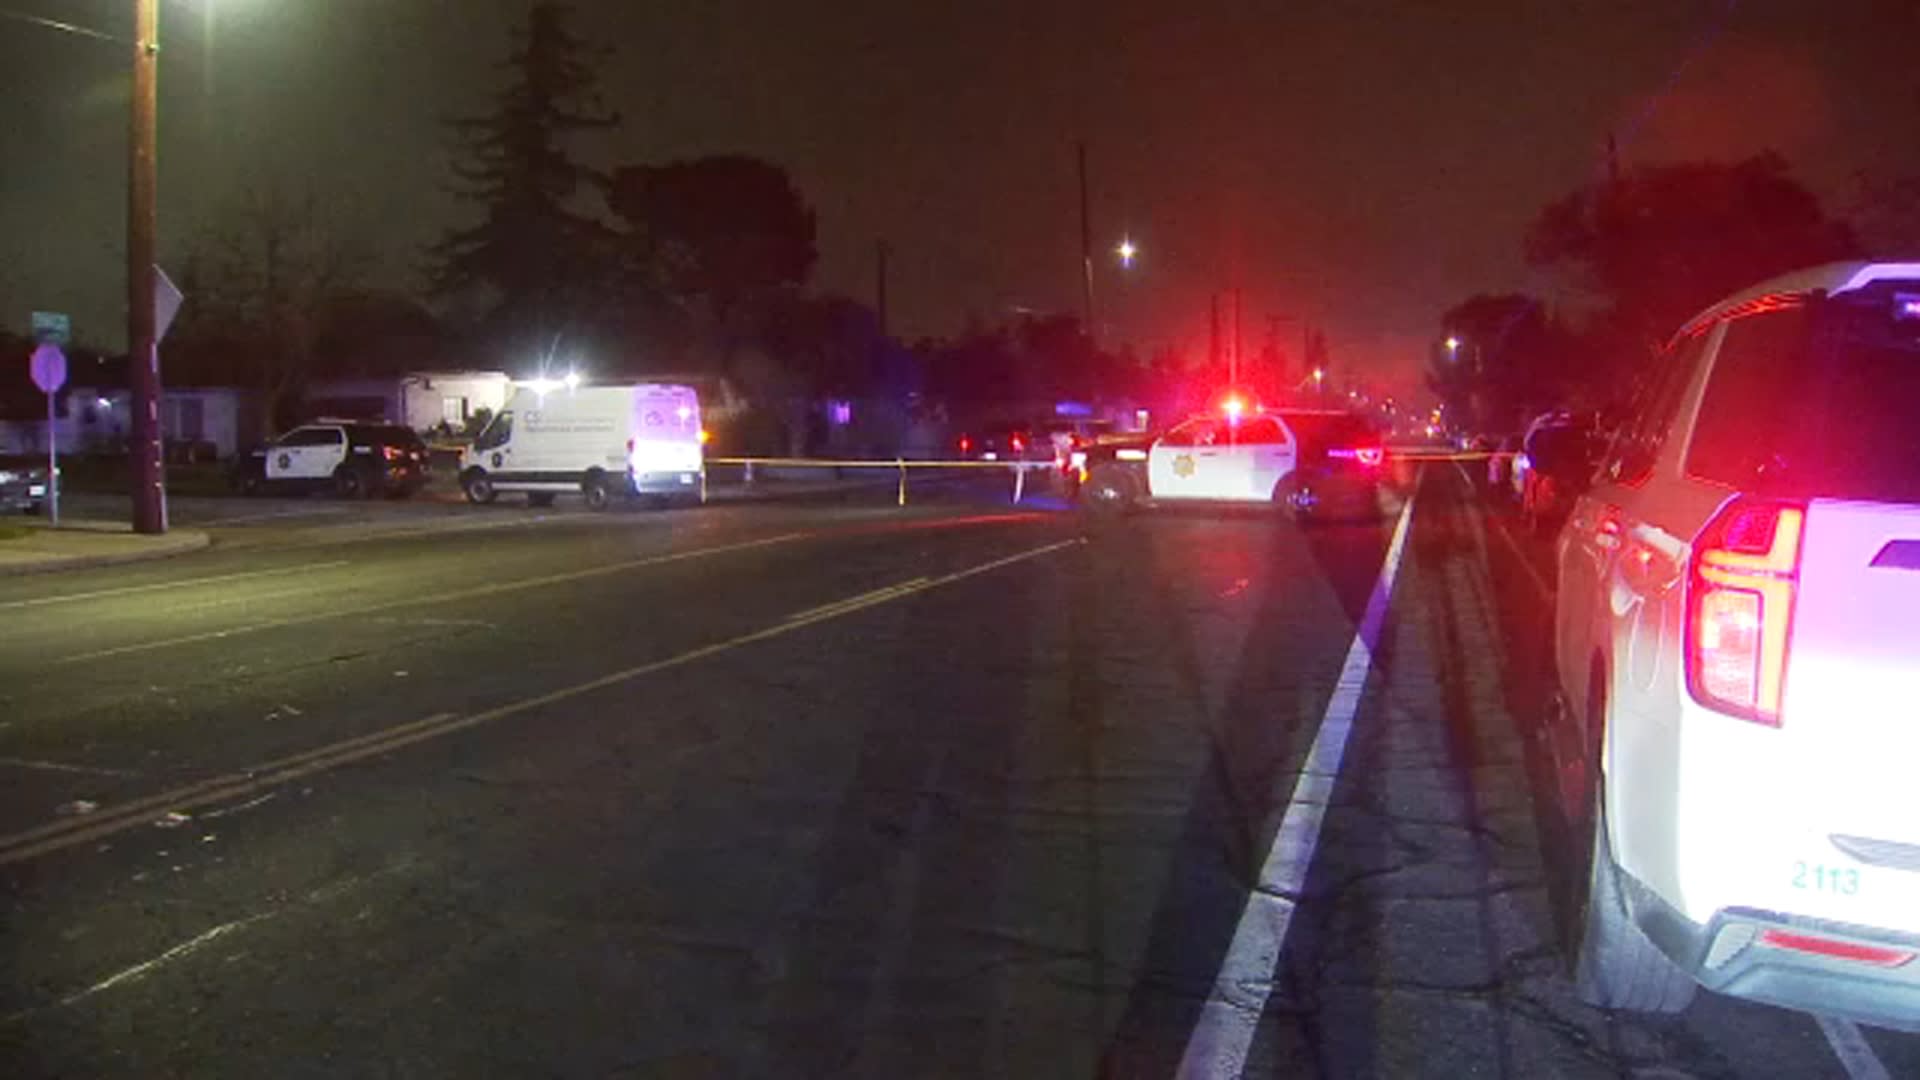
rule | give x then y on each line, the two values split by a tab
179	542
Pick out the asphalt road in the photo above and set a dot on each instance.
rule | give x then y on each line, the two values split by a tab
812	788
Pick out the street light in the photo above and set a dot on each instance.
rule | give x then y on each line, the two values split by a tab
1453	346
1126	251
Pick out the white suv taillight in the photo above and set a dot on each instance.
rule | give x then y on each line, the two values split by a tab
1740	588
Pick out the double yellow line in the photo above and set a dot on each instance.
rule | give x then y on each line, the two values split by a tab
122	817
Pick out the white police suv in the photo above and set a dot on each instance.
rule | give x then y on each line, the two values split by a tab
1737	636
1312	462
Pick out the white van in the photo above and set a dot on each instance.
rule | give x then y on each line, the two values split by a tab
600	441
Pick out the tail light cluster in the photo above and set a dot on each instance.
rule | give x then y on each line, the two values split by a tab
1017	443
1370	456
1740	593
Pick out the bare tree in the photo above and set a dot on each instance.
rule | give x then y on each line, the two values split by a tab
261	285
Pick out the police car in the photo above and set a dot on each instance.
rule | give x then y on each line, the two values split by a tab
352	459
1736	642
1311	462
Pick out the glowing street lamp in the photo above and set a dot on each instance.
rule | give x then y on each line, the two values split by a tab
1453	346
1126	251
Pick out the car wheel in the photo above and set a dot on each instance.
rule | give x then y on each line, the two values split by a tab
598	492
1616	965
1297	499
478	487
348	483
540	499
1108	490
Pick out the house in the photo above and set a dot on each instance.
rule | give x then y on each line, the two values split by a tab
197	422
421	400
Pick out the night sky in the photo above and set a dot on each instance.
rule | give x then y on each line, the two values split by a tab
1359	165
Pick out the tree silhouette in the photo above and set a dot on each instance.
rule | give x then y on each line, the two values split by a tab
723	237
1660	243
1510	358
534	268
262	287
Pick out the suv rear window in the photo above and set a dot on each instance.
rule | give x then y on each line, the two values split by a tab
1325	430
387	435
1817	401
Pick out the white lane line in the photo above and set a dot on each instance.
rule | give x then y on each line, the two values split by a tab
1851	1047
1223	1034
239	519
130	590
1533	572
434	598
178	952
62	767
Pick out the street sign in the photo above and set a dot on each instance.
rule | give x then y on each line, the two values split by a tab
49	367
52	328
166	303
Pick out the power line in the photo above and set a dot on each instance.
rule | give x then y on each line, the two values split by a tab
65	28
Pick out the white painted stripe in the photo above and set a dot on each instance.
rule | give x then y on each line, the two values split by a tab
238	519
1526	563
1533	573
101	594
1851	1047
1223	1034
476	592
178	952
61	766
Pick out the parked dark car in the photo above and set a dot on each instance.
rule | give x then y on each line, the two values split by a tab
1554	468
23	485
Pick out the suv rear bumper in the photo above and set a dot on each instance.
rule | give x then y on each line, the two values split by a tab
1729	955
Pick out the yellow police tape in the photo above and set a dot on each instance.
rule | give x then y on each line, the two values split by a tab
899	465
1017	467
878	463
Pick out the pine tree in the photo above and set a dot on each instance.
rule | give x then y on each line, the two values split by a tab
534	268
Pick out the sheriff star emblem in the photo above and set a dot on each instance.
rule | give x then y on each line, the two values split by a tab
1183	465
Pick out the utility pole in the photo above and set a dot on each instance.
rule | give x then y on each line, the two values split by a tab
1233	374
1213	328
1086	249
880	252
143	354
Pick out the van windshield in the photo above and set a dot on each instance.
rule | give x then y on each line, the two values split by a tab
497	432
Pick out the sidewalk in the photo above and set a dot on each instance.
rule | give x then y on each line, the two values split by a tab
31	546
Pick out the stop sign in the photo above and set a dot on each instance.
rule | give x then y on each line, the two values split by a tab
49	366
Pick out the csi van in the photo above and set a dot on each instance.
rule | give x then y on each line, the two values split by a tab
600	441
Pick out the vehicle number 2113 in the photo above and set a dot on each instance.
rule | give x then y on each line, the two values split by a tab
1840	880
